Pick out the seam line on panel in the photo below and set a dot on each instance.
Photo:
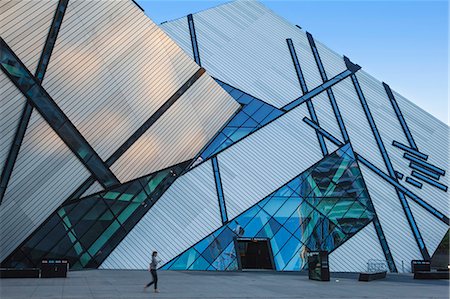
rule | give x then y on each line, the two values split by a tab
140	7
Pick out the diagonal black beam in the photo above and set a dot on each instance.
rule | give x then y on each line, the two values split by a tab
387	161
400	117
317	90
194	41
30	86
51	39
155	116
330	93
379	230
382	174
139	132
309	104
27	110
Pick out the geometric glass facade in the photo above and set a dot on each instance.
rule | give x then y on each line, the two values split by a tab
318	210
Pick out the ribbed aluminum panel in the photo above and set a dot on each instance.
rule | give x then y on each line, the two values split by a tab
11	102
354	254
331	147
432	138
243	44
25	26
430	135
180	133
325	115
96	187
333	63
396	229
111	69
431	229
45	173
184	215
178	31
261	163
356	123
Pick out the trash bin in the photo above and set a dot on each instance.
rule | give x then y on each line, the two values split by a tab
420	265
318	268
54	268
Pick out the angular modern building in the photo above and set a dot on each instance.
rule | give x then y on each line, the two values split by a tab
116	142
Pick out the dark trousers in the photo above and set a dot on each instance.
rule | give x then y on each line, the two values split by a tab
155	279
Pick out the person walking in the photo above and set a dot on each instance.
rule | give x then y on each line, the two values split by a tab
152	268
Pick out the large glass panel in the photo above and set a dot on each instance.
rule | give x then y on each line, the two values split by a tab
218	245
185	260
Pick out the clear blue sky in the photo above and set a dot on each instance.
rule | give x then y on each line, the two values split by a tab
404	43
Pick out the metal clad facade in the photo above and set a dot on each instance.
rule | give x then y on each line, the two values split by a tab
11	103
25	26
267	159
180	133
244	45
45	174
186	213
354	255
396	229
124	67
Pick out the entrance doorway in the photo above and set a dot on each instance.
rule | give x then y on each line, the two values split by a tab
254	253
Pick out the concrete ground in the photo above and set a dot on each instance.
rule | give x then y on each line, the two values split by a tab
172	284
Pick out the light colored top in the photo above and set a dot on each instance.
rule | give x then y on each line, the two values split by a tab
154	263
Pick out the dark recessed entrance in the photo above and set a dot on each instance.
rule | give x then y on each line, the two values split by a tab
254	253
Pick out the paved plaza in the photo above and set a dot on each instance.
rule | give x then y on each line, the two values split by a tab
129	284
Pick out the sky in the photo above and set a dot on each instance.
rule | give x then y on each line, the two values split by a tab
403	43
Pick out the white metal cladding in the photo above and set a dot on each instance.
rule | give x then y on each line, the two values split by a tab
325	115
111	69
261	163
178	30
431	229
431	131
24	26
11	102
354	254
356	123
396	229
185	214
244	44
180	133
333	63
432	138
45	173
94	188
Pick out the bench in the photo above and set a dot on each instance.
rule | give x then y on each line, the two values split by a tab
431	275
369	276
19	273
